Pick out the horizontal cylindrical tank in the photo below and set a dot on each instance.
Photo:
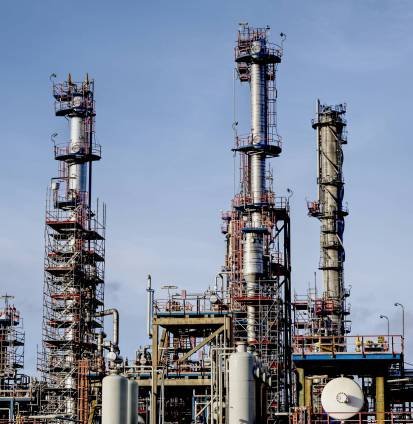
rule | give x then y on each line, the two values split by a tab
114	399
241	387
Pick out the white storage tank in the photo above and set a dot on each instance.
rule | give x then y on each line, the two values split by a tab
342	398
241	397
114	399
132	405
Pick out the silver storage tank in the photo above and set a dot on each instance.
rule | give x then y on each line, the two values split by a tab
241	396
132	413
114	399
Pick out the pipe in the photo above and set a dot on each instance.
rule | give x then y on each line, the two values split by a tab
399	380
254	241
308	395
115	314
101	367
301	386
380	401
77	172
150	291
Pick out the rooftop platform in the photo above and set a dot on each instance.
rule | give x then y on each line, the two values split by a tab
347	354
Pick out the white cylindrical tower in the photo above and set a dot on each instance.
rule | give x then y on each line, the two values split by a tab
114	400
241	390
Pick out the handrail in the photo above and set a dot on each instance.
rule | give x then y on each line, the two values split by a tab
362	344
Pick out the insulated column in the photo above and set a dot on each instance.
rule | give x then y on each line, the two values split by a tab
330	125
77	171
253	242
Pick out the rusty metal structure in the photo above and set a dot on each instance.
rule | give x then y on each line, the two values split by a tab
257	228
239	351
15	387
74	264
323	352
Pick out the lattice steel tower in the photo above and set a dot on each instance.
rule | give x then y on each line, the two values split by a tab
258	226
74	263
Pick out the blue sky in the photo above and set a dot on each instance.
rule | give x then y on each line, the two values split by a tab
164	91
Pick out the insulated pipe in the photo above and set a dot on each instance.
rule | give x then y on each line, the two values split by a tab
77	172
115	314
259	126
253	241
258	95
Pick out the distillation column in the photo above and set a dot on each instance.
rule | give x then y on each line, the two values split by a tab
330	125
253	242
74	264
255	60
258	228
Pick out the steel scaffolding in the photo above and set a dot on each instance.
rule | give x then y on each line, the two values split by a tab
257	228
15	387
74	263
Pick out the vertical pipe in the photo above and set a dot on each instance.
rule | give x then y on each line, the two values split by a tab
380	400
300	388
154	391
149	291
308	396
77	172
90	142
253	242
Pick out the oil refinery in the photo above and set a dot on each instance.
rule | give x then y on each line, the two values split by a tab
245	350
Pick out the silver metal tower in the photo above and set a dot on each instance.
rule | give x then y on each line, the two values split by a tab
257	56
258	227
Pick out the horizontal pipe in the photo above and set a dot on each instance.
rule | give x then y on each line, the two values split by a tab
399	380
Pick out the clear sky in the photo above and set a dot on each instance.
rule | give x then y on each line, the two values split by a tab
164	91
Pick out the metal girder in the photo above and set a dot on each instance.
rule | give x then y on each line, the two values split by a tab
201	345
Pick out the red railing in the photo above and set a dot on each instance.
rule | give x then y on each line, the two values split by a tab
365	345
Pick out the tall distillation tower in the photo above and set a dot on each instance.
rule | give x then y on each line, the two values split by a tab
258	227
74	264
331	135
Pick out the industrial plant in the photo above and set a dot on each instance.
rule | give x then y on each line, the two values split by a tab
246	349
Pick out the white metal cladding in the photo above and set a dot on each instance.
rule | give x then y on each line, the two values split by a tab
241	397
114	399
